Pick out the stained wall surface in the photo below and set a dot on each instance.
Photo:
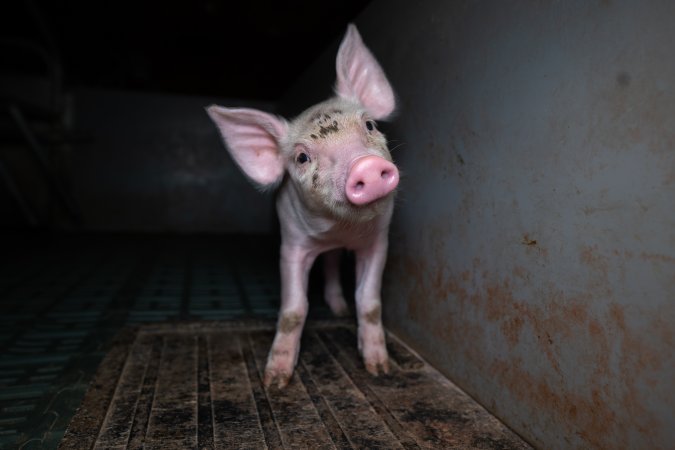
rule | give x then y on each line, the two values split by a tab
532	252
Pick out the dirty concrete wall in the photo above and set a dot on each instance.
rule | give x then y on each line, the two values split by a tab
533	249
155	162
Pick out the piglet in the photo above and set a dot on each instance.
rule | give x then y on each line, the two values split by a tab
336	183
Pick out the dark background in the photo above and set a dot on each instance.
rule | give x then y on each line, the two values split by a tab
243	49
102	123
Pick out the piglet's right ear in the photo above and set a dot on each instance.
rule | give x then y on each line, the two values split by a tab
252	138
360	76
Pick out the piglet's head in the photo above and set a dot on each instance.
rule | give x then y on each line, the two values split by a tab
332	155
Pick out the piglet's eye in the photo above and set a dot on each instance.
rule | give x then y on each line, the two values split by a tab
370	125
302	158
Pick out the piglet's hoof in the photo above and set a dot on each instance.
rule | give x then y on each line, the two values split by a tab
278	379
377	367
279	370
374	350
338	305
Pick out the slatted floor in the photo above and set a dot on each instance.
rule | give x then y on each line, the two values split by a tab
63	298
184	386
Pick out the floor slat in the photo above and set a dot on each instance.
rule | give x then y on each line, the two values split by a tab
199	385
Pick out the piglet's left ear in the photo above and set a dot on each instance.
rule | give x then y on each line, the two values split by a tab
360	77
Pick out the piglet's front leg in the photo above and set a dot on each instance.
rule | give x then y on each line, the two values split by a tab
295	264
370	263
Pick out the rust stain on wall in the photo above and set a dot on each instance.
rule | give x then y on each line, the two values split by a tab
589	412
478	303
591	257
528	241
511	329
657	257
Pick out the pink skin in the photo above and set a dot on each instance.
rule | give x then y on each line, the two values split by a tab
336	187
332	287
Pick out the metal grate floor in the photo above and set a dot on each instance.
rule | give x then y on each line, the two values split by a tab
179	386
64	298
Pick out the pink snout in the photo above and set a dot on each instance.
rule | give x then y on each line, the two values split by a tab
370	178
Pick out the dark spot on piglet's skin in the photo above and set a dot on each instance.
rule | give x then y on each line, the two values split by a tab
315	180
373	316
289	322
326	130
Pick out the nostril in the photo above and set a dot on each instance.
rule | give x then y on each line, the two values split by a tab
359	185
385	174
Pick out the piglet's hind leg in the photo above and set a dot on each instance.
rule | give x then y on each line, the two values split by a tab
333	288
